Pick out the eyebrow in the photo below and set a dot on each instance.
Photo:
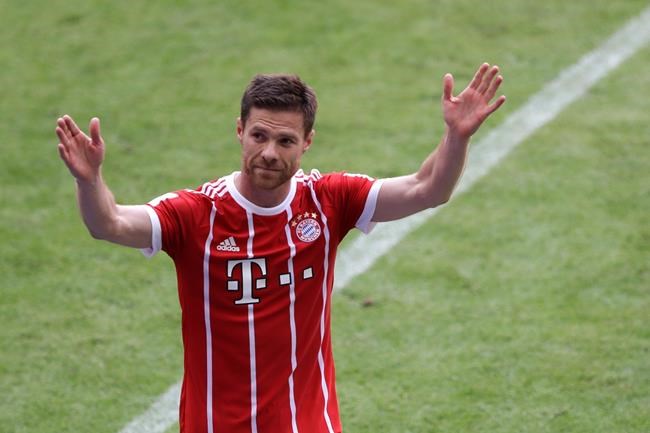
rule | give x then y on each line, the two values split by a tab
288	135
266	130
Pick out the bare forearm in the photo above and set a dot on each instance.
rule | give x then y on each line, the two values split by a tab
429	187
127	225
440	172
434	182
97	206
83	155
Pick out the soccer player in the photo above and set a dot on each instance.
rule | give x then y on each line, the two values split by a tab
254	251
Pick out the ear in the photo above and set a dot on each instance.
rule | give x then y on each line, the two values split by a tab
308	141
240	129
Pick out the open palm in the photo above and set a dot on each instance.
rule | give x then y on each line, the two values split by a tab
465	113
82	155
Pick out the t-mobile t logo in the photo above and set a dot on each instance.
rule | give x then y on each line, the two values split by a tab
247	279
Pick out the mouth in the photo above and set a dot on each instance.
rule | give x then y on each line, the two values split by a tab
267	168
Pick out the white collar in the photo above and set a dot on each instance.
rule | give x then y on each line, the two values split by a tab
252	207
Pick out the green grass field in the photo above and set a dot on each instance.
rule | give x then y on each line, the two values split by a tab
520	307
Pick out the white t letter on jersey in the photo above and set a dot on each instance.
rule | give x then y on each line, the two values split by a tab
247	279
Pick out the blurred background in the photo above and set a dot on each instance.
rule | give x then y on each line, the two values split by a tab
521	307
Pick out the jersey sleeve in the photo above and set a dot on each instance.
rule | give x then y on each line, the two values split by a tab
172	217
355	196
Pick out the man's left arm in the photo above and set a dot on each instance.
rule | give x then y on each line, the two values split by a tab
434	182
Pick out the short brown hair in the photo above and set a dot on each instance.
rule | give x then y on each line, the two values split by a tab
280	92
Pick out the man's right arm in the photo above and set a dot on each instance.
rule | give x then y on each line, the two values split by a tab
124	225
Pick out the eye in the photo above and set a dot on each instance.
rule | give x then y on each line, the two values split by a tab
286	142
257	136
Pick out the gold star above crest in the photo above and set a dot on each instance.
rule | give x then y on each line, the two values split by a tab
306	214
313	215
294	223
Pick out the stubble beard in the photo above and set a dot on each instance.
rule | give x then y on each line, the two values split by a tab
269	180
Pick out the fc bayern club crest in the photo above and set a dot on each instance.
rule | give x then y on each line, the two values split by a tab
308	230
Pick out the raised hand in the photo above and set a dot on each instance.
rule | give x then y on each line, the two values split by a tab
465	113
82	155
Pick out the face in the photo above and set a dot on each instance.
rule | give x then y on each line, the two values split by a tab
272	144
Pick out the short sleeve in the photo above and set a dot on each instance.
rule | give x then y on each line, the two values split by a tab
172	217
156	240
364	222
355	196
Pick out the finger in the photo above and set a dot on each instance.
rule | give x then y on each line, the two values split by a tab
63	137
478	77
487	79
494	86
64	127
65	156
74	129
95	134
447	87
495	106
63	152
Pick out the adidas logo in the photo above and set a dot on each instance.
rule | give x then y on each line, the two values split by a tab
228	245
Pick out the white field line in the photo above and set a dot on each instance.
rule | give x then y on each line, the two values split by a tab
162	414
540	109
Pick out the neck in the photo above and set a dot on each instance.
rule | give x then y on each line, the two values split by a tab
260	196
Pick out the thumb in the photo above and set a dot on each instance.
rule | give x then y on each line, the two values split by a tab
447	87
95	134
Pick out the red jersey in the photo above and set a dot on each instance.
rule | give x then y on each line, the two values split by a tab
255	286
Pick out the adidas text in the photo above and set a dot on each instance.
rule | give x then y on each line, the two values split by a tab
228	245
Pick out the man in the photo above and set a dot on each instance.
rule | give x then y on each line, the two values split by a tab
254	251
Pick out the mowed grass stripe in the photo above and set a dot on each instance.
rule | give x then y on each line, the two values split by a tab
541	108
522	308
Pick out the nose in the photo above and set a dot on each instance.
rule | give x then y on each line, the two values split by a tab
269	153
